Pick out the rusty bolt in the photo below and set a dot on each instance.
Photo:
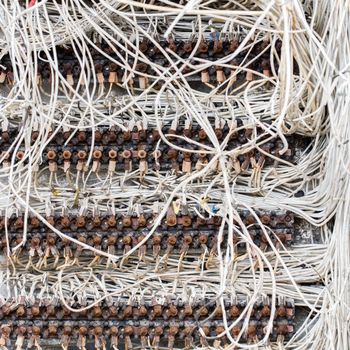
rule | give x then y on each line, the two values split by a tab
218	311
288	218
111	240
143	46
219	330
186	221
202	135
140	238
173	330
188	310
250	220
96	311
20	312
80	221
19	155
96	221
126	221
19	223
35	222
112	154
251	331
111	221
203	47
51	240
97	239
142	220
188	239
282	237
51	155
126	154
51	220
81	136
127	240
142	154
143	331
265	312
265	219
98	331
50	310
35	135
21	330
82	239
81	155
157	240
141	67
157	310
236	330
282	329
97	154
66	154
187	47
187	155
281	311
203	239
127	135
202	155
172	310
188	330
127	312
52	329
98	136
143	311
128	330
113	310
158	330
206	330
83	330
172	240
36	330
114	330
35	310
235	311
172	153
203	311
35	241
65	222
171	220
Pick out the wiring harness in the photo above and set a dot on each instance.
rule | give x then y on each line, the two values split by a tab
174	174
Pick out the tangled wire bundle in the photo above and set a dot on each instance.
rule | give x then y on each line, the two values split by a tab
174	174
